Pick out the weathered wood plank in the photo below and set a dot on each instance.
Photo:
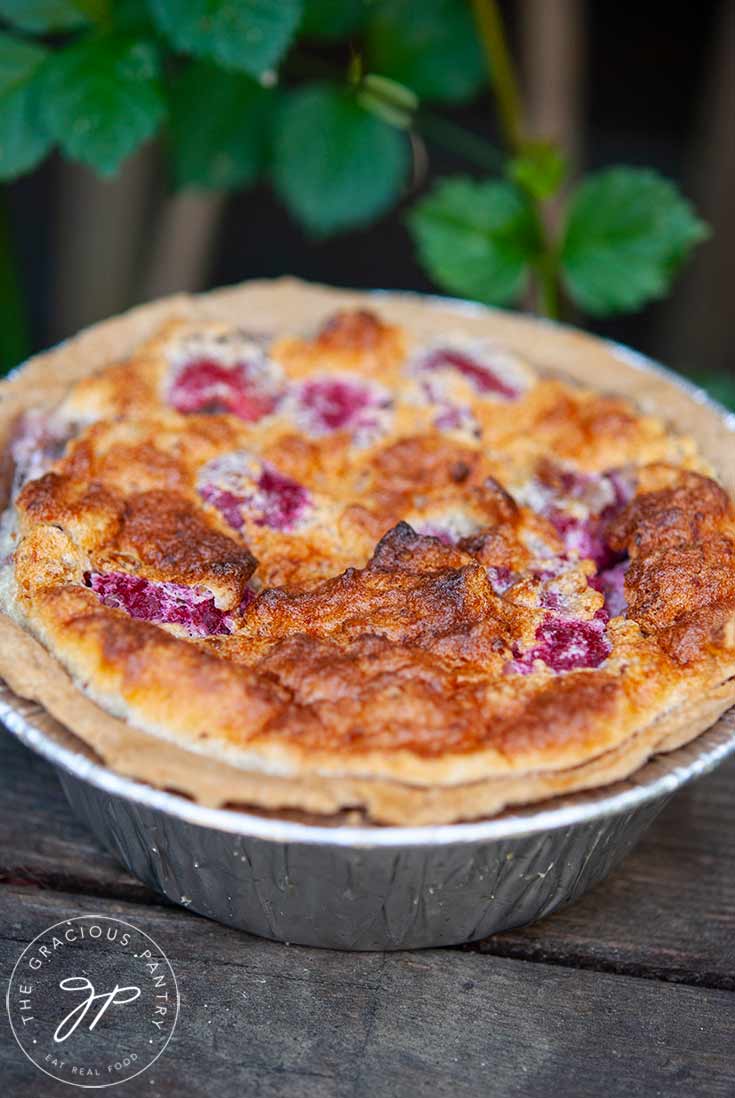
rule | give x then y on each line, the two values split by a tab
261	1018
41	842
668	913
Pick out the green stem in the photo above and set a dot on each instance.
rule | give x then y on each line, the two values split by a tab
457	139
504	83
14	341
548	280
502	72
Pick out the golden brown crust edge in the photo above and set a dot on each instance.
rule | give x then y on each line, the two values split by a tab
32	673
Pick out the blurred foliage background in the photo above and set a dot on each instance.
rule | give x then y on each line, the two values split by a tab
150	146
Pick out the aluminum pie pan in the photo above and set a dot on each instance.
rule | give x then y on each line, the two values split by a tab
365	888
349	887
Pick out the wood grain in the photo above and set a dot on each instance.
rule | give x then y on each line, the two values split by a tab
262	1018
668	913
41	842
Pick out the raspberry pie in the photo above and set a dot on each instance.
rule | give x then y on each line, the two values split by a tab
304	550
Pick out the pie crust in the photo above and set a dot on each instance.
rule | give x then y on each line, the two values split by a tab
311	550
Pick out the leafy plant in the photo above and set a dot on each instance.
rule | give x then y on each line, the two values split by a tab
327	146
327	99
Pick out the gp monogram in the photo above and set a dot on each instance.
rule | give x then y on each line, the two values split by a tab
93	1001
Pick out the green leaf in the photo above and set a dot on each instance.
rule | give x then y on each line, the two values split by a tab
335	165
24	139
329	20
539	170
476	239
132	17
102	99
627	234
431	46
219	127
43	16
251	35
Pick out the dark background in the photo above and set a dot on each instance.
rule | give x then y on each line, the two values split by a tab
656	87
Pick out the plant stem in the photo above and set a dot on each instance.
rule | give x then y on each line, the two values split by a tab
14	342
457	139
502	72
547	272
504	82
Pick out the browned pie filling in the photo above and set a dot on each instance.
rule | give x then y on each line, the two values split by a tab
359	553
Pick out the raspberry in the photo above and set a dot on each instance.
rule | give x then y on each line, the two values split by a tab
205	385
482	378
281	499
501	578
324	405
172	603
610	582
566	644
240	486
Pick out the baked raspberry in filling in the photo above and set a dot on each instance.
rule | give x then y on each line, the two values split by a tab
282	500
501	578
169	603
610	583
561	494
583	538
453	417
450	416
480	374
205	385
38	441
229	505
324	405
240	486
565	644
